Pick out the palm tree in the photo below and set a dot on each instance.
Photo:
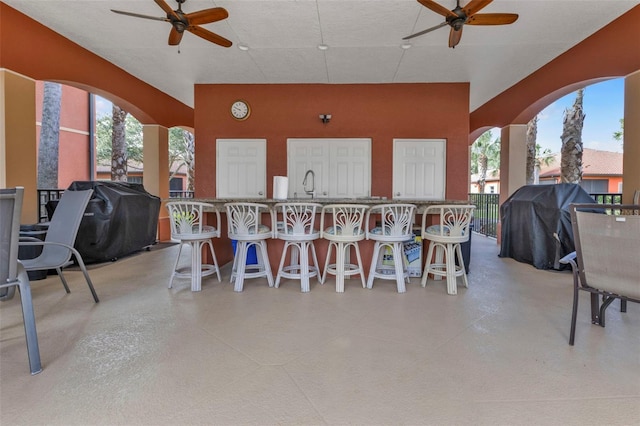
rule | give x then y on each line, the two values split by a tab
485	153
118	145
543	158
619	135
571	150
49	136
532	133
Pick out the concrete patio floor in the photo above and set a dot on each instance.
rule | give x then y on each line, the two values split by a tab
495	354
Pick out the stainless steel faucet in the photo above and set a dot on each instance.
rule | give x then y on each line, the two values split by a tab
311	192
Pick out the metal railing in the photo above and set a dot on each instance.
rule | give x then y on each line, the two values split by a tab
487	213
607	197
180	194
44	196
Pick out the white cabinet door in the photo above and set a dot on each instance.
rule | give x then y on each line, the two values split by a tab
241	168
350	165
419	169
342	167
304	155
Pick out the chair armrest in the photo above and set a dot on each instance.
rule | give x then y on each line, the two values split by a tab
29	239
569	259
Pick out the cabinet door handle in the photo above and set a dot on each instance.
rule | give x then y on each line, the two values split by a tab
398	194
260	193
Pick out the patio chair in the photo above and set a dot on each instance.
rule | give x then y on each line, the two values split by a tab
445	239
188	227
57	247
392	230
298	231
342	225
12	273
244	225
605	262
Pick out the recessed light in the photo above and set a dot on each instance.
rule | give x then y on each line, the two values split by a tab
323	47
243	47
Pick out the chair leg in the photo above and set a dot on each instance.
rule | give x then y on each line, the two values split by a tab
450	261
241	264
175	266
282	259
267	264
86	275
315	262
196	266
427	265
398	260
340	259
326	262
374	262
303	250
359	260
215	260
458	250
64	281
574	313
29	319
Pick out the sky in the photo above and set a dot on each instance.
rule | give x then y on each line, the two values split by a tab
603	106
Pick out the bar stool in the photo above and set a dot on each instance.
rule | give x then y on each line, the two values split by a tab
395	227
187	227
244	221
344	230
297	230
445	239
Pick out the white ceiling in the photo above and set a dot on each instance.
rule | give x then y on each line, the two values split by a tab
364	39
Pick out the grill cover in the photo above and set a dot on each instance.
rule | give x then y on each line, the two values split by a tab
536	224
120	219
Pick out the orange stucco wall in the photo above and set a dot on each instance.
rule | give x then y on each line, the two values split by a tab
58	59
381	112
613	51
377	111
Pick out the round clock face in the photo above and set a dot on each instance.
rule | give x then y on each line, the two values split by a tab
240	110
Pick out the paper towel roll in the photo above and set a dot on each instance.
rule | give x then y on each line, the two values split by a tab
280	187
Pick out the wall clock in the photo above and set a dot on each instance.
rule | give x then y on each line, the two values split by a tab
240	110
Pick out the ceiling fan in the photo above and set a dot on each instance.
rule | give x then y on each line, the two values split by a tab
460	16
187	21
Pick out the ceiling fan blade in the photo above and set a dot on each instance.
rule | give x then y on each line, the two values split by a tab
474	6
424	31
137	15
174	37
207	16
167	9
492	19
440	10
208	35
455	36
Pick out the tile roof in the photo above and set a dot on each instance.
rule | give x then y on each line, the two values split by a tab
594	163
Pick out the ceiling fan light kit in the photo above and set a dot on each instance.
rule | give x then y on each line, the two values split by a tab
191	22
460	16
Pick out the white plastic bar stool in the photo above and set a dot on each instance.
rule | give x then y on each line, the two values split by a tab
445	239
188	227
244	222
344	228
394	228
295	225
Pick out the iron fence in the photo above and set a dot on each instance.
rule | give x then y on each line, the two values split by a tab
487	213
44	196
